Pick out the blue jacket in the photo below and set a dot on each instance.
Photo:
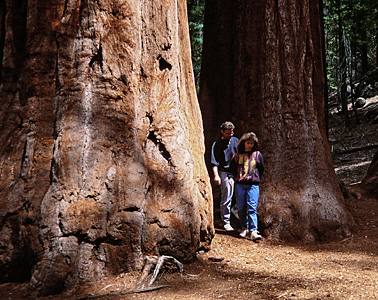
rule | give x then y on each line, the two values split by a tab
222	152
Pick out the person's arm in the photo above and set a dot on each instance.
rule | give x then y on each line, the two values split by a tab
233	167
217	179
233	170
215	165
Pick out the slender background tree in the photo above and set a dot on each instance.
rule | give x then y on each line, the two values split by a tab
196	9
358	29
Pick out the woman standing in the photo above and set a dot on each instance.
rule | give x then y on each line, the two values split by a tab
247	168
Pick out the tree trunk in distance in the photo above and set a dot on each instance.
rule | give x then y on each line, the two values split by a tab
263	70
343	95
101	141
376	44
370	182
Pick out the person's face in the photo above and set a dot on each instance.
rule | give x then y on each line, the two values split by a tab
227	134
248	145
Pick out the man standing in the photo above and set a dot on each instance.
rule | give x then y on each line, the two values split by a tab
221	155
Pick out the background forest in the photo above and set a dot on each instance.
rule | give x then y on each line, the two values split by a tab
351	52
350	39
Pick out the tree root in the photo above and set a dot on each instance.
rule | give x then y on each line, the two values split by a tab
151	261
158	262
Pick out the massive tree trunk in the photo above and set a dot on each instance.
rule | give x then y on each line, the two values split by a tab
263	70
101	144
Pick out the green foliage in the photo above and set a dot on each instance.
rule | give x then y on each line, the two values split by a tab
196	9
356	21
358	26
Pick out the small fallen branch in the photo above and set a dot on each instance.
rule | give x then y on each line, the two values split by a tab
283	295
356	149
216	259
124	293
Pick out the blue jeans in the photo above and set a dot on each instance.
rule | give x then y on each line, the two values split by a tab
247	198
226	197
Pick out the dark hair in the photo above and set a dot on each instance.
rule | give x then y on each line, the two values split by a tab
249	136
227	126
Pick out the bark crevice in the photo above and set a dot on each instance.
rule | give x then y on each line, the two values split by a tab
162	149
163	64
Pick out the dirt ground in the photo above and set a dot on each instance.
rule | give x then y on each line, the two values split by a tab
345	269
237	268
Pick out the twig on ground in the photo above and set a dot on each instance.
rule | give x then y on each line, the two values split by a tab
346	151
283	295
192	275
124	293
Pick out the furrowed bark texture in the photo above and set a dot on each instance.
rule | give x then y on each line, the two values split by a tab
101	141
262	70
370	182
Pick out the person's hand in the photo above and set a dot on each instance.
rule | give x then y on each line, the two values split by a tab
217	180
231	181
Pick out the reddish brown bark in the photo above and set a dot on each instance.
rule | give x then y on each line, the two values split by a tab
101	146
263	70
370	182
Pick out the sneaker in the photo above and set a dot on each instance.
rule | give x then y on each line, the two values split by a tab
228	227
243	234
255	235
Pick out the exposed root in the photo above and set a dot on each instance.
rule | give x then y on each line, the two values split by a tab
151	261
158	262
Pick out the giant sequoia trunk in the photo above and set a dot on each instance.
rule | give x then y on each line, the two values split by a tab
263	70
101	144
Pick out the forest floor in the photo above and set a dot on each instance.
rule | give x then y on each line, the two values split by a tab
237	268
353	147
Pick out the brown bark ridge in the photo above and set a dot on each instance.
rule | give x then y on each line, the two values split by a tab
370	182
101	141
262	69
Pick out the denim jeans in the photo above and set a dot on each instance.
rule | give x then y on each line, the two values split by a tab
247	198
226	197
